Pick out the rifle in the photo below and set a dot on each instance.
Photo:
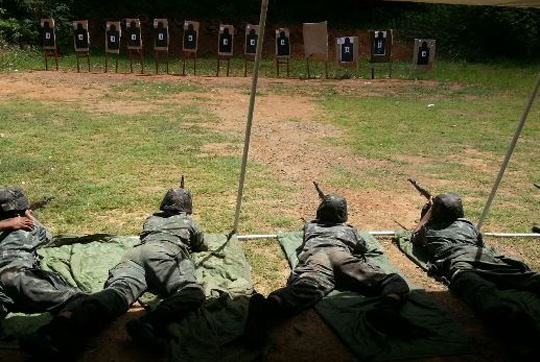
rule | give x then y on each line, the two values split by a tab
319	191
537	186
40	204
182	182
420	189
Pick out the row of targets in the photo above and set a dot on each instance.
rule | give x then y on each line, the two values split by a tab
113	36
315	41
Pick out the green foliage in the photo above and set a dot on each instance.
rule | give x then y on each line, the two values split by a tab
19	20
484	32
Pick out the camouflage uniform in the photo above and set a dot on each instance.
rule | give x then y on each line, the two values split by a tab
333	255
474	270
161	264
24	286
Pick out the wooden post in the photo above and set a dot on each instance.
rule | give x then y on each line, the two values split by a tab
228	59
156	57
47	53
326	69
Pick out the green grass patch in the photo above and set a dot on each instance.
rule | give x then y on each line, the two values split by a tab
460	139
476	77
109	171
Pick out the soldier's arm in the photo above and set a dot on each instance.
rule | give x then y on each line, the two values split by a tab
197	238
426	217
16	223
360	246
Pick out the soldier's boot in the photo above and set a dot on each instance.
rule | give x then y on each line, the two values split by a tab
386	318
146	334
262	313
150	330
44	342
65	336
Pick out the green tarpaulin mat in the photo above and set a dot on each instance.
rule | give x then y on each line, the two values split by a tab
210	334
523	300
344	313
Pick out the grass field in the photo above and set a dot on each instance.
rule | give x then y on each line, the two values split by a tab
108	146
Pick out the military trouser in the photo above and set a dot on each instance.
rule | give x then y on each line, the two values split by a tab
161	268
321	271
33	290
479	290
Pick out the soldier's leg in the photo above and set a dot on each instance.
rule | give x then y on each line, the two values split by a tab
482	296
66	333
170	274
126	283
183	294
308	284
520	279
36	290
356	273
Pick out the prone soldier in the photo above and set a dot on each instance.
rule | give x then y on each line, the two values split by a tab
160	264
333	255
475	272
24	286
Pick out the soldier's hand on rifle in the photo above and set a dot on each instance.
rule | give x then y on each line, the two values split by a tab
20	222
426	214
30	215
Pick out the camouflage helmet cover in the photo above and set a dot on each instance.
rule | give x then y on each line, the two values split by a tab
13	199
447	207
177	200
333	208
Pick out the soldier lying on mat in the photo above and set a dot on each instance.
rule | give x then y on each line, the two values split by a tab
333	255
24	286
475	272
161	264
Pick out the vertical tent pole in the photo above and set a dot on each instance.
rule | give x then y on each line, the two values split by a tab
262	25
510	151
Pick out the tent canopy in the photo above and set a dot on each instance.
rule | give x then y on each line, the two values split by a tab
514	3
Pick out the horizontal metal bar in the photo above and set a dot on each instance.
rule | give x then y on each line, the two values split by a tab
513	235
392	233
257	236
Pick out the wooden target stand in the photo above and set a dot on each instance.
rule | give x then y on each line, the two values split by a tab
139	54
48	53
157	56
248	58
225	58
107	61
389	69
282	61
187	55
308	69
82	54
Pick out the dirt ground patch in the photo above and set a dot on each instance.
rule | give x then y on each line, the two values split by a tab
289	138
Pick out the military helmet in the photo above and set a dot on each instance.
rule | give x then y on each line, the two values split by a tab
333	208
13	199
177	200
447	207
